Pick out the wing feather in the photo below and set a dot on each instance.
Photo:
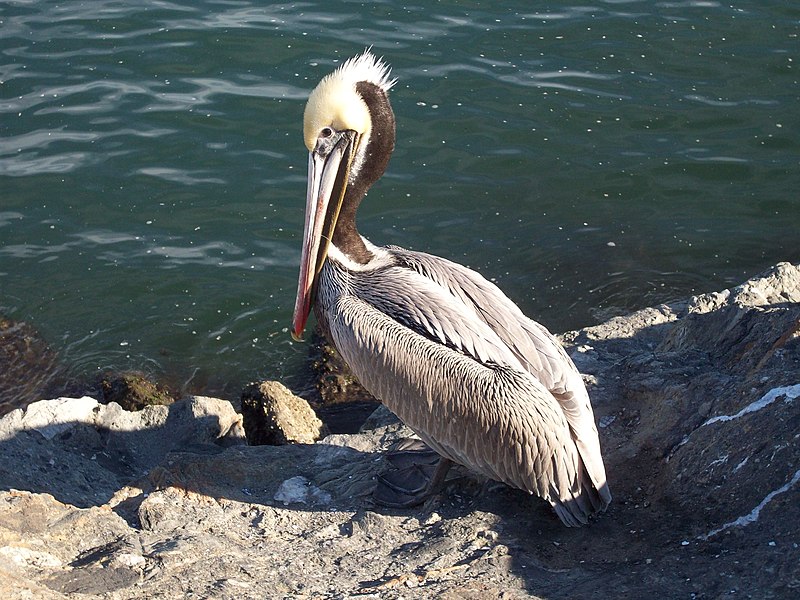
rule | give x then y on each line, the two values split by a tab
469	392
532	344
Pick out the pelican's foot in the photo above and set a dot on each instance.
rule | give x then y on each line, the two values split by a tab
417	474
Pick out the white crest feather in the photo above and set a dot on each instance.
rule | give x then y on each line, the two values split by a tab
366	67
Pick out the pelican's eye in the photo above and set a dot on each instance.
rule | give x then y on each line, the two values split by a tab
326	132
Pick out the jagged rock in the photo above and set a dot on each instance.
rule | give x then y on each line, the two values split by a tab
274	416
93	554
698	405
133	391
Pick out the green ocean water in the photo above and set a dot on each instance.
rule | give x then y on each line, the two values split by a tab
590	159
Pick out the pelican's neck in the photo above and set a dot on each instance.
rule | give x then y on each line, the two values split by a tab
369	165
381	257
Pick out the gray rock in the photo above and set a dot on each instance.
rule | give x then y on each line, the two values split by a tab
273	415
698	404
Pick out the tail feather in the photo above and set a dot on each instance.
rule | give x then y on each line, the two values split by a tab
587	501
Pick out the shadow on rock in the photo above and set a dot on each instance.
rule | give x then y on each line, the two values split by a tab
87	454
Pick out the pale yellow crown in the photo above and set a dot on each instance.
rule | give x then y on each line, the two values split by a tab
335	102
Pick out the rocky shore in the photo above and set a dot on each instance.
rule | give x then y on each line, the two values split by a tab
698	405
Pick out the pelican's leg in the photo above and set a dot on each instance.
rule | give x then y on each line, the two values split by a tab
439	475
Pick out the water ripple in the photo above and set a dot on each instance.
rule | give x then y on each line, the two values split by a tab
719	102
554	80
21	166
117	90
105	237
209	87
179	176
27	251
41	139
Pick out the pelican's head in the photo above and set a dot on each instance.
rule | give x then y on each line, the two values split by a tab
343	116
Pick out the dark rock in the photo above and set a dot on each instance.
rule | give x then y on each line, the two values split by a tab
133	391
274	416
29	369
345	417
335	382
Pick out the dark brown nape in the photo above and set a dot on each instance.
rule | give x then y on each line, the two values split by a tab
376	157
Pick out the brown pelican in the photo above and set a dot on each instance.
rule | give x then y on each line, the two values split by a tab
438	344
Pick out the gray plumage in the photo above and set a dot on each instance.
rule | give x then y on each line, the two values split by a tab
460	364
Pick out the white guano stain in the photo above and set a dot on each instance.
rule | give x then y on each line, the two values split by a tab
789	392
753	515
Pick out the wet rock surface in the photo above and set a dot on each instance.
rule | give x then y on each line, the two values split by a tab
335	382
133	391
29	369
698	405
